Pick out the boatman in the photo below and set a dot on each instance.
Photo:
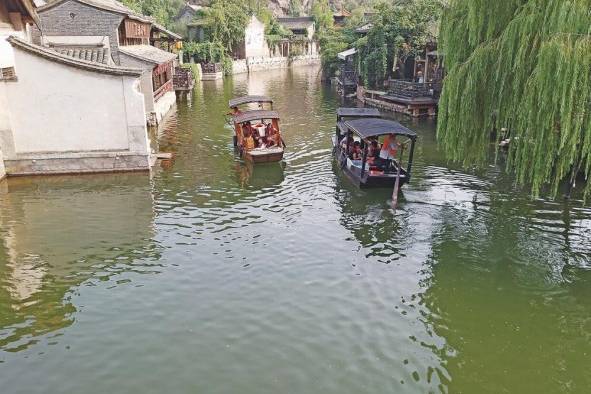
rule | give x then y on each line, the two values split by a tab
389	150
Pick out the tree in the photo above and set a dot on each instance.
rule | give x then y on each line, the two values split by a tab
295	8
226	21
405	26
524	66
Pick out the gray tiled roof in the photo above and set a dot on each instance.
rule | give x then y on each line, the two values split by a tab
147	53
57	57
97	55
298	23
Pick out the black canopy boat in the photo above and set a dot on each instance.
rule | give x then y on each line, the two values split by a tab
364	125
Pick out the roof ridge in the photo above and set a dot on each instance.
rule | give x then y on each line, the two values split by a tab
53	55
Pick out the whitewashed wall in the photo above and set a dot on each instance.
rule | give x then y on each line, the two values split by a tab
254	39
56	111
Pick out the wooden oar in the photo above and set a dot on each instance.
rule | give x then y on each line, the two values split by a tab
396	189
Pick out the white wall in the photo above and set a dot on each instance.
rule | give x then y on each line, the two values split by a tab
254	39
146	83
65	110
6	53
2	169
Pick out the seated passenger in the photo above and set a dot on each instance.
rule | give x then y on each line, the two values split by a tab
373	152
249	143
235	111
273	136
356	154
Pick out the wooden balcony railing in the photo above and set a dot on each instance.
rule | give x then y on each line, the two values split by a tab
182	78
413	90
211	68
166	87
348	76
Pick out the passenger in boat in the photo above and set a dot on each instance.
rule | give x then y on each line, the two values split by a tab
273	136
347	142
235	111
373	151
249	143
356	154
388	151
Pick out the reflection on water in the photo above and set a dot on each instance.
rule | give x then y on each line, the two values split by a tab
61	232
285	277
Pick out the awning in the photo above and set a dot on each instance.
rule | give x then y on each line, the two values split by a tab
345	54
255	115
373	127
249	99
359	112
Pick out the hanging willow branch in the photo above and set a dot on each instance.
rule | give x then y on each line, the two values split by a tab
524	65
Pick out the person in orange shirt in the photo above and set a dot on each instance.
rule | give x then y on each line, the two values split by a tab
248	140
389	150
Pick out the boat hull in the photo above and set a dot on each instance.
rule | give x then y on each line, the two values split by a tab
269	155
368	180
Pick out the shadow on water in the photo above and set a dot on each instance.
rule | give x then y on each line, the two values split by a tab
57	233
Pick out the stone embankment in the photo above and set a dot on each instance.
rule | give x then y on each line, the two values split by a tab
271	63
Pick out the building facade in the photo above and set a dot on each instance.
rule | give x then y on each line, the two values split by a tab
88	117
74	26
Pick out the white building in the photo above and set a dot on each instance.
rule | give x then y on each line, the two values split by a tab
63	112
86	117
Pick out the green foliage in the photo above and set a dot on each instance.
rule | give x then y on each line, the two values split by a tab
524	65
162	10
400	30
404	27
226	20
295	8
374	57
322	14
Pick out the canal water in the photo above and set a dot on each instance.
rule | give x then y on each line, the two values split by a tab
213	276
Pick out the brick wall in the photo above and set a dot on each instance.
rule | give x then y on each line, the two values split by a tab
75	19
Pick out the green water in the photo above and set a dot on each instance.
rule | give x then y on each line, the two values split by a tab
211	276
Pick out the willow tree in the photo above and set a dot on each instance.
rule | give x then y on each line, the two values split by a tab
524	66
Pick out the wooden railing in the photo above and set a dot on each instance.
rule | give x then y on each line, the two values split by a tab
412	90
211	68
348	77
182	78
166	87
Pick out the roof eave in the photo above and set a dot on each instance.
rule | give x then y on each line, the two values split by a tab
70	61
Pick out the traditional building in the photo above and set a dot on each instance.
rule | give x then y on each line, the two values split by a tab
107	26
302	42
86	117
66	109
15	18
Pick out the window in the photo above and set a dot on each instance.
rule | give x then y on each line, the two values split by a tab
7	74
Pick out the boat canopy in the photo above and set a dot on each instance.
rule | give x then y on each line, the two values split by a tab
254	115
359	112
249	99
374	127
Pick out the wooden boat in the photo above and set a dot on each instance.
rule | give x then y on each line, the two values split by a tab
260	100
261	124
363	125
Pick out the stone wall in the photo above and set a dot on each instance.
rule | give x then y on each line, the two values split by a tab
253	64
2	169
75	19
